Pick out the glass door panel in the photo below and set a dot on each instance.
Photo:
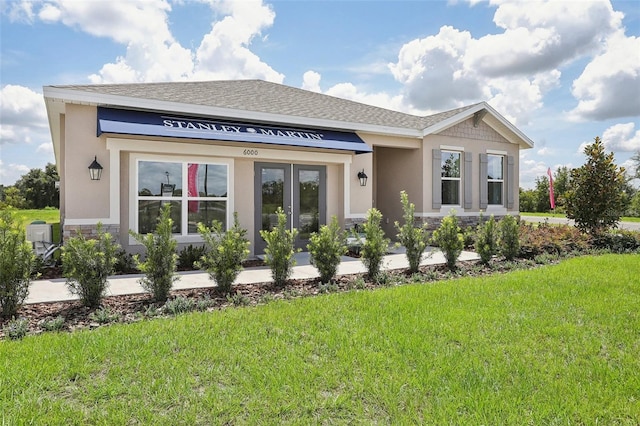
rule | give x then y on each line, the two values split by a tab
273	190
309	202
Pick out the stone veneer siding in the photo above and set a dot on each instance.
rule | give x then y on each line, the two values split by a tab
466	130
89	231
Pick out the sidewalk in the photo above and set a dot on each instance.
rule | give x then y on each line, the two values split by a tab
56	290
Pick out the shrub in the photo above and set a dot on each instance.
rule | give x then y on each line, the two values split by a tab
280	251
87	263
189	255
225	252
486	240
17	262
509	237
618	241
412	237
180	305
16	329
552	239
326	249
449	239
124	263
159	266
54	324
104	316
375	244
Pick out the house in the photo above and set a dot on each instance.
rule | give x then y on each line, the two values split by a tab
213	148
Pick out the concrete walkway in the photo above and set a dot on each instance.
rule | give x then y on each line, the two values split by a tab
56	290
630	226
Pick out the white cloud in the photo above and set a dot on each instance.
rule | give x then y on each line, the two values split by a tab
311	81
152	52
224	52
512	69
18	11
46	148
10	173
609	86
24	117
544	151
622	138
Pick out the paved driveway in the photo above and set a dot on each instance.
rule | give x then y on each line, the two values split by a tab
633	226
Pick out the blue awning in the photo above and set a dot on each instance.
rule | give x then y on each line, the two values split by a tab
127	122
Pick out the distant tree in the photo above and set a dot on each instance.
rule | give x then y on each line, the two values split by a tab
527	200
596	199
561	184
13	198
38	188
542	203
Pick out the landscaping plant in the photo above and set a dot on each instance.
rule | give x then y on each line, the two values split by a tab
375	244
87	263
449	239
413	238
16	264
326	248
509	237
596	199
225	252
160	263
280	251
486	240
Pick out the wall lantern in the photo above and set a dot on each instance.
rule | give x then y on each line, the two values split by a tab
363	178
95	169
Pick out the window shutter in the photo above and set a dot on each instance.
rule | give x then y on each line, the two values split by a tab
436	190
468	190
510	181
484	190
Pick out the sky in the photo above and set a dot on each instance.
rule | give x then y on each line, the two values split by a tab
563	72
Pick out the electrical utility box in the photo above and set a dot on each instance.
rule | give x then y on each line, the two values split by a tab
39	233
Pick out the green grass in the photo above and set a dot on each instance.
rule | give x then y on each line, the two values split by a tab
48	215
554	345
562	215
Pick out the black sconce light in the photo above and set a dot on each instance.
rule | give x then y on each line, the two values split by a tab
363	178
95	169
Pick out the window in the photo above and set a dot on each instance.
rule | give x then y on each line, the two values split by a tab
495	179
197	192
450	174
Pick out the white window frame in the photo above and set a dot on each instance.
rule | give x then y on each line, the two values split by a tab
184	236
447	207
501	181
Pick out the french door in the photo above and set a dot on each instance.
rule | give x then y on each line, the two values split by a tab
300	190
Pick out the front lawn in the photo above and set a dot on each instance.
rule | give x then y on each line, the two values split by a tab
553	345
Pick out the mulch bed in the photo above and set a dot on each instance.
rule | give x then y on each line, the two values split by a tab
138	307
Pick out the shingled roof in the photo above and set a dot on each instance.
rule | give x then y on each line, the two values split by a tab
266	97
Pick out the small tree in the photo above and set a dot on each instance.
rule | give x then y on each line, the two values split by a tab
509	237
449	239
87	264
17	262
487	240
280	251
226	250
596	199
161	259
375	244
326	248
412	237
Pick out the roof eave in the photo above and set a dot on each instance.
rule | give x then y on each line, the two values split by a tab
495	120
99	99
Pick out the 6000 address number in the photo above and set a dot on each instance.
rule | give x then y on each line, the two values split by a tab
250	152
